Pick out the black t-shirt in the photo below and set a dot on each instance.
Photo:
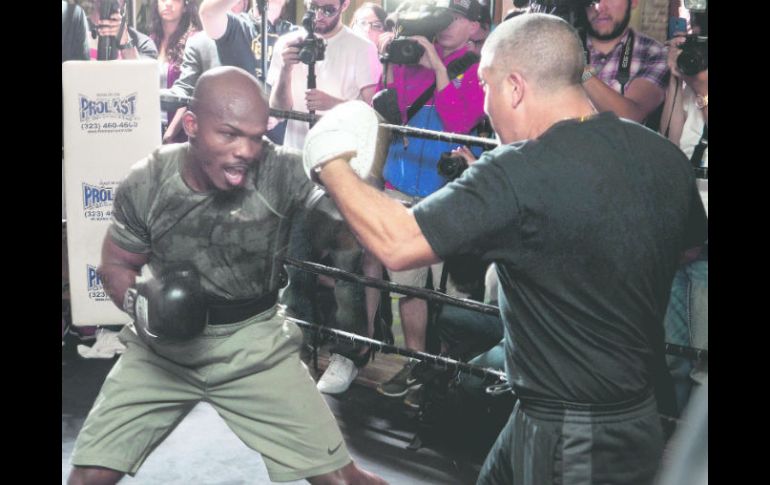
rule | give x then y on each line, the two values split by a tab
241	46
586	225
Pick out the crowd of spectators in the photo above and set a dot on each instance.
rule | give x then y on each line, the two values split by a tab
627	73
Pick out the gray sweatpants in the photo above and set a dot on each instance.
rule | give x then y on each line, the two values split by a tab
542	444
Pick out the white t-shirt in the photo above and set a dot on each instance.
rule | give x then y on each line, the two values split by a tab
691	133
693	126
350	64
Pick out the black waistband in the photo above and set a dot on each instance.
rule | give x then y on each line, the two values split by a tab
548	405
222	312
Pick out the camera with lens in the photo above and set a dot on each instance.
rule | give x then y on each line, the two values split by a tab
414	17
312	48
107	45
450	167
404	51
694	57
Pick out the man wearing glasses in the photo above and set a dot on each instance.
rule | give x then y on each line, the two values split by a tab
350	69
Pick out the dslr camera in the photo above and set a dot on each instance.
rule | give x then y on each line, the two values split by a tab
414	17
694	57
451	167
312	48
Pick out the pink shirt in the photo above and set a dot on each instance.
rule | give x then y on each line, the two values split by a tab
460	105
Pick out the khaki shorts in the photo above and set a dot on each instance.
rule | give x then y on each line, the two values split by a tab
418	277
249	371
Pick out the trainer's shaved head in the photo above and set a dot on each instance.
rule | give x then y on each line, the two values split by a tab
545	49
227	91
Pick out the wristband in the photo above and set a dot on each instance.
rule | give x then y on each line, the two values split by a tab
588	73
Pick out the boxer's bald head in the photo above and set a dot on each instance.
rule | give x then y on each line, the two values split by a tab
225	123
226	91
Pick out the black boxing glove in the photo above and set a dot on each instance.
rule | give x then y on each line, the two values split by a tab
171	308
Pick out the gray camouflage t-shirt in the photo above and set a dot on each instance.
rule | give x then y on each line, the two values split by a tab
233	238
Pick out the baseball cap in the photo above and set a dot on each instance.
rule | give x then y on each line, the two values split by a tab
470	9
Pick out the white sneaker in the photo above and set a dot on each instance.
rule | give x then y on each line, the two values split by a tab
106	346
338	376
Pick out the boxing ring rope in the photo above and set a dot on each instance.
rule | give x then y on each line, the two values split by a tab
439	361
170	101
431	295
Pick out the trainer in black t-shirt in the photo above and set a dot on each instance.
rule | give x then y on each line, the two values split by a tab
586	224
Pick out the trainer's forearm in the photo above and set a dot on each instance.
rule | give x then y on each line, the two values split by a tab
382	225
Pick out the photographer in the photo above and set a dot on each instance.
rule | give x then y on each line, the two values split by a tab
349	69
684	122
231	38
131	43
346	67
411	172
634	92
237	32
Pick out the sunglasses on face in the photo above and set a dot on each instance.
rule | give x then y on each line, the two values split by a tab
325	10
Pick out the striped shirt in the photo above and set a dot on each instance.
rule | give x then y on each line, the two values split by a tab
648	61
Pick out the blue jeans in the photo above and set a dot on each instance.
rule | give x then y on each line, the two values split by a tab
471	334
686	323
493	358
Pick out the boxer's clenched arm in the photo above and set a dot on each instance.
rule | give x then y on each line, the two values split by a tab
384	227
119	269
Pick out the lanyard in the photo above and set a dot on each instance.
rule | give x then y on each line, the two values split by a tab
624	64
697	154
624	68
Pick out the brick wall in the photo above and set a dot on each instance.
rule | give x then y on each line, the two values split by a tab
653	18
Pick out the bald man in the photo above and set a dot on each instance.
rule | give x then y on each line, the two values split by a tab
585	215
222	202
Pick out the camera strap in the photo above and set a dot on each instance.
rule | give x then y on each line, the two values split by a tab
624	64
700	148
123	25
624	67
454	69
